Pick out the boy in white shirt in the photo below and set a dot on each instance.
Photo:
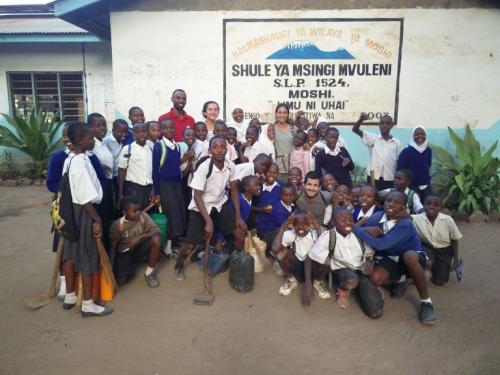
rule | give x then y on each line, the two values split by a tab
209	208
384	151
350	260
439	235
252	148
290	247
135	168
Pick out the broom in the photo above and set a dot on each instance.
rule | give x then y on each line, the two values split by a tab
106	268
205	298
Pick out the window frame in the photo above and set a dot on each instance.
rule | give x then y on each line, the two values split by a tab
33	91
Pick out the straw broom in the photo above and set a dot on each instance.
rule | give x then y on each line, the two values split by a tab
55	269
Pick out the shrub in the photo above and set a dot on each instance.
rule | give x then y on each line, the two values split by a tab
37	137
469	180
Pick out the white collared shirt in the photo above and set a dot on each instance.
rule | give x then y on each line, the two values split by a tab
269	188
368	213
105	158
138	164
115	148
347	253
244	169
150	144
83	181
438	235
213	188
383	155
168	143
333	152
302	244
201	148
251	151
417	204
387	225
289	208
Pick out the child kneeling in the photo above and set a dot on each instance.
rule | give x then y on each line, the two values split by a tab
290	247
350	261
134	238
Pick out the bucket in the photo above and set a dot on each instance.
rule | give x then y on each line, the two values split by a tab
161	221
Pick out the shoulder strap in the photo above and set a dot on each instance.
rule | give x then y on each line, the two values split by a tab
210	167
128	154
411	193
332	243
164	151
323	198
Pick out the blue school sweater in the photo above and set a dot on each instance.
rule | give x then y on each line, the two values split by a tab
274	219
333	165
170	171
56	165
356	211
130	137
245	211
269	197
418	163
401	238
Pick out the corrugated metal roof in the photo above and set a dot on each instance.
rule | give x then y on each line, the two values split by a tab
42	25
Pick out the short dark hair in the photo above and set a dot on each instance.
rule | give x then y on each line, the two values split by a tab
140	125
288	185
165	120
127	201
407	173
94	117
340	211
331	129
133	109
181	90
76	130
200	123
400	194
312	176
119	122
434	195
216	138
246	180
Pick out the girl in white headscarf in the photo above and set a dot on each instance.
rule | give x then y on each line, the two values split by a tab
417	158
238	122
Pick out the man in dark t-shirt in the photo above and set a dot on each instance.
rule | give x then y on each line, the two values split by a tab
177	114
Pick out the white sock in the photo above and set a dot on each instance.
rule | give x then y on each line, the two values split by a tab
149	271
427	300
90	306
168	247
62	286
402	279
70	298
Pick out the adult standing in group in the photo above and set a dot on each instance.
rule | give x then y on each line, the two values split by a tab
283	138
177	114
211	113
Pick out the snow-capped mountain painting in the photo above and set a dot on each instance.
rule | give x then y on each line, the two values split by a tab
303	49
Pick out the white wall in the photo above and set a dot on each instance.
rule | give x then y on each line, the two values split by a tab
60	58
449	76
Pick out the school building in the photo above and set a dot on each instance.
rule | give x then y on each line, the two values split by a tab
431	63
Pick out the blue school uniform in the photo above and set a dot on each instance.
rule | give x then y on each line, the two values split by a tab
418	163
401	238
130	137
325	160
357	210
170	170
273	220
56	165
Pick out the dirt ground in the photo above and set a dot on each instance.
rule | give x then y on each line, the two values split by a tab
160	331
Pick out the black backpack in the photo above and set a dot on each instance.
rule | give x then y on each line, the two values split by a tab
210	166
61	211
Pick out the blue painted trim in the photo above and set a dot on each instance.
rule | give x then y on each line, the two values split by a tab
50	38
63	7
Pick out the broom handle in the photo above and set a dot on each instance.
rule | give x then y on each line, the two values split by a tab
207	244
55	270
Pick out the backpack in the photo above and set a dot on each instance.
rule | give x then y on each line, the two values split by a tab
333	242
164	151
61	210
210	166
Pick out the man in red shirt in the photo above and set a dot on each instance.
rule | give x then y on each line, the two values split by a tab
177	114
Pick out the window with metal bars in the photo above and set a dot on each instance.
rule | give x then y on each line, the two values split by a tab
61	93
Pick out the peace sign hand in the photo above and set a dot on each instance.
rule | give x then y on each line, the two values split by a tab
345	161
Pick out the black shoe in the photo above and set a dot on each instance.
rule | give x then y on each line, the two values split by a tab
398	290
427	314
68	306
152	280
106	311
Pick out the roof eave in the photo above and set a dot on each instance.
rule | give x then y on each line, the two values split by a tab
91	15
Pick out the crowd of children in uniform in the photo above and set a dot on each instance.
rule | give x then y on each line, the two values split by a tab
289	182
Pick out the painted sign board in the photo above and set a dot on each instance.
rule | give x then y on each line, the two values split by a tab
334	68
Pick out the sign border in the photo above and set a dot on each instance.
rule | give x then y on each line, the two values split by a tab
225	21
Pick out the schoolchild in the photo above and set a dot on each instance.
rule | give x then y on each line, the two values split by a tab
328	183
258	168
201	143
209	207
384	150
350	261
334	159
220	130
187	162
398	251
134	238
355	194
135	114
291	246
115	142
402	181
312	139
81	255
439	235
106	208
340	198
312	199
135	172
417	157
154	133
367	205
295	178
276	213
239	124
252	147
167	184
299	156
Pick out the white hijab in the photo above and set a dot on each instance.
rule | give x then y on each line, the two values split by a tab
420	148
265	141
241	127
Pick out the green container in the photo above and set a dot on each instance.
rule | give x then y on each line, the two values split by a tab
161	221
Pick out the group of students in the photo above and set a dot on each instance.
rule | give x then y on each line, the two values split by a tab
289	183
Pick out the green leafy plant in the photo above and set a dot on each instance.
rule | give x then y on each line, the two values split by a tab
358	175
37	137
469	180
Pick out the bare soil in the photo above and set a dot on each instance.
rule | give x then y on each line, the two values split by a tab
160	331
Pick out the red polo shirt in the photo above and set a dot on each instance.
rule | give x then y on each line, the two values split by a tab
180	123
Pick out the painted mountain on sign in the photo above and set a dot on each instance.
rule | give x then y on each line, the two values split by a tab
302	50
